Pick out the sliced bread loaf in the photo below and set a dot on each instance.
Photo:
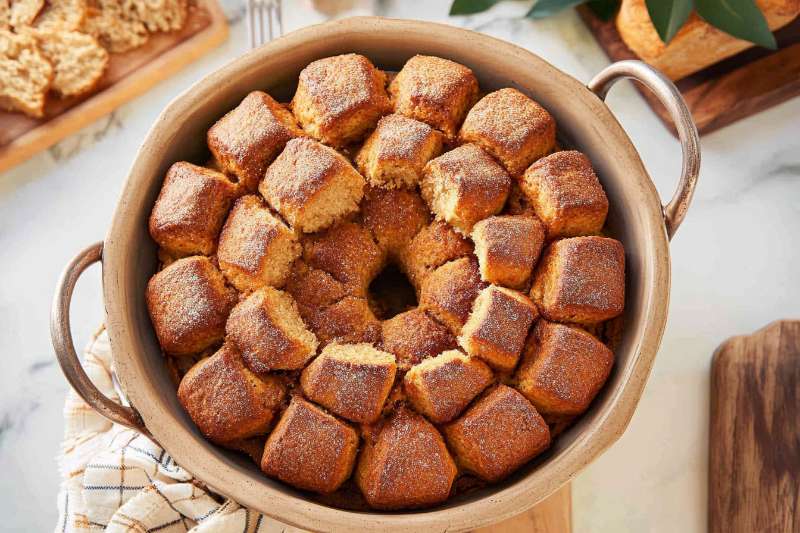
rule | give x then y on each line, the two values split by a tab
64	15
77	58
25	74
106	21
157	15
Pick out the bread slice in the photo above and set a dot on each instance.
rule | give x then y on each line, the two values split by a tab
78	60
157	15
25	74
106	22
64	15
22	12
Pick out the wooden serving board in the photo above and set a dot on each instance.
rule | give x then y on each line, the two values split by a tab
725	92
128	75
754	441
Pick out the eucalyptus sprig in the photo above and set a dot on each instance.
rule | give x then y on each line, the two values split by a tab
739	18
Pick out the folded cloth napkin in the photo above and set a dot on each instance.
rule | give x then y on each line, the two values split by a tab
116	479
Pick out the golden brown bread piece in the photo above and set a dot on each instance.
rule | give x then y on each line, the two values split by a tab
406	466
433	246
108	22
566	195
227	401
497	327
512	127
250	136
311	185
340	98
464	186
190	210
78	60
498	434
435	91
394	155
413	336
507	248
563	369
61	15
313	289
441	387
350	380
25	74
394	216
348	321
449	291
23	12
255	247
581	280
189	303
697	44
310	449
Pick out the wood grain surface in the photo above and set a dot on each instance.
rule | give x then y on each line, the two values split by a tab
754	441
730	90
128	75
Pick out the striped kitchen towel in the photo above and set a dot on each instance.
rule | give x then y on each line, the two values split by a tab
115	479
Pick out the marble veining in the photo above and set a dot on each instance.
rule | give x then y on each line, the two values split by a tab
734	270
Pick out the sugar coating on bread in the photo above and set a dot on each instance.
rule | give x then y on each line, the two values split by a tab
394	155
190	209
433	246
255	247
507	248
512	127
267	328
340	98
78	60
226	400
406	466
441	387
350	380
394	217
566	195
107	21
250	136
581	280
348	321
348	253
310	449
189	303
498	434
449	291
312	288
464	186
311	185
497	327
25	74
61	15
413	336
563	369
435	91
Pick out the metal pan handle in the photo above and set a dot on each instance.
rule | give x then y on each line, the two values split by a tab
61	335
670	97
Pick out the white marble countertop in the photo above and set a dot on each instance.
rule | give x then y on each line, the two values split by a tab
734	264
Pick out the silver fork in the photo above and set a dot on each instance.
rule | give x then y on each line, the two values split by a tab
264	21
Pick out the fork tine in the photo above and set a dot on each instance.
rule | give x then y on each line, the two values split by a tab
262	36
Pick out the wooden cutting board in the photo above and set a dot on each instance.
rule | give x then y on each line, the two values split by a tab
128	75
754	441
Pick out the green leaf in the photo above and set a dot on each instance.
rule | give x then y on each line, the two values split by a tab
605	9
468	7
668	16
545	8
740	18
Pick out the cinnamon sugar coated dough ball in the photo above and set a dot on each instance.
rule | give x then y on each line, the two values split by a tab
255	247
268	330
433	246
406	466
435	91
350	320
190	210
441	387
566	195
350	380
339	99
498	434
249	137
226	400
394	216
464	186
581	280
311	186
563	369
507	248
310	449
397	151
513	128
497	327
413	336
312	288
449	291
189	303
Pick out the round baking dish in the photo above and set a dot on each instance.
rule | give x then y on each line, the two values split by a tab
636	217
